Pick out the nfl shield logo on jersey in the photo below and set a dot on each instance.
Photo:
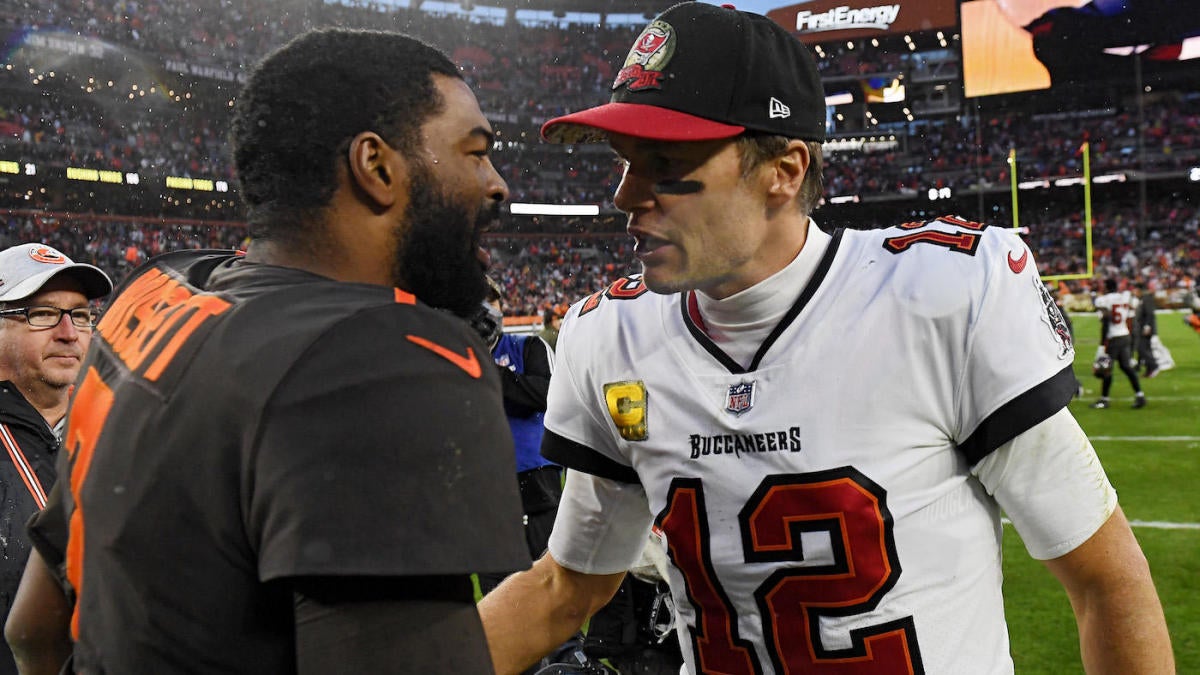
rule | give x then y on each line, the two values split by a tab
740	398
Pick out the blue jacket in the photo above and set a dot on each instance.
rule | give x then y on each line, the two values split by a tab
524	362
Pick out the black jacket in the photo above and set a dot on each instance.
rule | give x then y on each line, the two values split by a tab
26	475
1145	316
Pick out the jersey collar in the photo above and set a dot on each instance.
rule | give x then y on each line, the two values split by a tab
690	308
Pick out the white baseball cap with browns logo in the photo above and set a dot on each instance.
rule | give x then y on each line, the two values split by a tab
26	268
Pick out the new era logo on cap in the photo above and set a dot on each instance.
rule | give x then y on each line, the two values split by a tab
777	109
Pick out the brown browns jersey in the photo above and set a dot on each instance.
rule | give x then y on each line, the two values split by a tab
238	424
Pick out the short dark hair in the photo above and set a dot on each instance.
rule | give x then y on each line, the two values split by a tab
305	101
758	148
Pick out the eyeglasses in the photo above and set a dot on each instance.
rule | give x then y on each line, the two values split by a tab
49	317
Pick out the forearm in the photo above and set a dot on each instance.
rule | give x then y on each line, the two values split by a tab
1124	632
535	611
38	625
1122	629
1121	624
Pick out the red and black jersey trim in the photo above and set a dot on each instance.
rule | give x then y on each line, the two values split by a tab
577	456
695	324
1020	415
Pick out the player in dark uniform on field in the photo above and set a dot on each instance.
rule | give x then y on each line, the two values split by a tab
288	461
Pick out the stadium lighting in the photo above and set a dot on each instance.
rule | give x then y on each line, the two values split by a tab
94	175
520	209
844	199
1033	184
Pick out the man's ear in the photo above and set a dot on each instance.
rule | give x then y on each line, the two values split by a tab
375	168
790	169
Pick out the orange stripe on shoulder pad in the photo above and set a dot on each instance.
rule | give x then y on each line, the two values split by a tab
404	297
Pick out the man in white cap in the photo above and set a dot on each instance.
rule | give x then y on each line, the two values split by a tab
46	324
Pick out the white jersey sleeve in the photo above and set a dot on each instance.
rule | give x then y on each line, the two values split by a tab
601	526
1050	483
573	418
1008	335
603	517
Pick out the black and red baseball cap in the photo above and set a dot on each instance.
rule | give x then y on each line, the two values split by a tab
700	72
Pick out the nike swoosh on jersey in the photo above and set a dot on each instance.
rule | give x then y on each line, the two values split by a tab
468	362
1018	265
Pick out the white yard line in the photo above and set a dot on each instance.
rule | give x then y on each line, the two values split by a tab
1148	524
1090	395
1160	525
1170	439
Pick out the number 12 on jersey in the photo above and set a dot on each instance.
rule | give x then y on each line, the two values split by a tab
841	502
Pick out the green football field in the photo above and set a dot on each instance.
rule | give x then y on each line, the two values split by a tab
1152	456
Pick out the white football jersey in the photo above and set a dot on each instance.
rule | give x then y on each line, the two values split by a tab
1120	307
817	506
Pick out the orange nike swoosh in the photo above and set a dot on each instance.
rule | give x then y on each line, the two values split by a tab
1018	265
468	362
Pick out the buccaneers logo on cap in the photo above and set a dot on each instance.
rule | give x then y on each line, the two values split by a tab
646	60
45	254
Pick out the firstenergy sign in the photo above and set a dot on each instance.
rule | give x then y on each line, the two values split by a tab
844	17
822	20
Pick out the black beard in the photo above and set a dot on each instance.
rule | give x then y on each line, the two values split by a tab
436	259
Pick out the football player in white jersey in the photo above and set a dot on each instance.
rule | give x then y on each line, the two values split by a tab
824	427
1117	309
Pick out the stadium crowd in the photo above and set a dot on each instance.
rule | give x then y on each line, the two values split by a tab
543	270
524	74
938	155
